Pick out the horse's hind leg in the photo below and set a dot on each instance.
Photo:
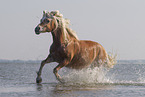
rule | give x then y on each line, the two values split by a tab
47	60
58	67
95	63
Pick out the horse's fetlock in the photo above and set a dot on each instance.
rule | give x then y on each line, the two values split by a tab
38	73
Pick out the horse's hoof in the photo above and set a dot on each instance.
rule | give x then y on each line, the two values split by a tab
38	80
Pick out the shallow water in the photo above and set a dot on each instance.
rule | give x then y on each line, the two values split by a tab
126	79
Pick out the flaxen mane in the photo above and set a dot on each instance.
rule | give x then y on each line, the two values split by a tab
64	24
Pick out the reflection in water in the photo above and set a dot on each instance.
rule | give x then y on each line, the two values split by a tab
16	89
68	89
39	87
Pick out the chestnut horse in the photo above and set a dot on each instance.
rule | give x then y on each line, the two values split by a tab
67	49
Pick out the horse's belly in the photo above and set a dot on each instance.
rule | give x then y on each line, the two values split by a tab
79	63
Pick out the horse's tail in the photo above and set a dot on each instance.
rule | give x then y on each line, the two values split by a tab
111	60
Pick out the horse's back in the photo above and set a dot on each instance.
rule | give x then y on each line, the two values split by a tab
90	45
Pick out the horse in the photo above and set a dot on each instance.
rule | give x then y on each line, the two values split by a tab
67	50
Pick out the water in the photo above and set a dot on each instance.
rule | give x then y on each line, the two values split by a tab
126	79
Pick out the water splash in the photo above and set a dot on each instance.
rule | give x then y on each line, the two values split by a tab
86	76
121	74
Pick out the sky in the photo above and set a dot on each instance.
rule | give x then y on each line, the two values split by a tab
118	25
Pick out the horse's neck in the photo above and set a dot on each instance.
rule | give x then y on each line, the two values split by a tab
59	37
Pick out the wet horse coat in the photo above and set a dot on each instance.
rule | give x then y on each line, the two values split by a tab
67	49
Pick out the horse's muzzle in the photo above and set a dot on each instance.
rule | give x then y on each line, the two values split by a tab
37	30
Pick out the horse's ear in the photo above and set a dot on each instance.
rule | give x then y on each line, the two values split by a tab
45	13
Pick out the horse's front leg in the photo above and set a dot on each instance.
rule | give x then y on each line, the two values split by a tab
47	60
58	67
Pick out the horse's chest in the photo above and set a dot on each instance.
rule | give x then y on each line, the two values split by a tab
62	51
58	52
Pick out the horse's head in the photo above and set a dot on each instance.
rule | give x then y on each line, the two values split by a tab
48	23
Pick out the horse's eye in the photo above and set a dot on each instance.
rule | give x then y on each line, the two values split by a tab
47	21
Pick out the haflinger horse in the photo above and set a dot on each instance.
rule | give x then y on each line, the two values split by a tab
67	49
